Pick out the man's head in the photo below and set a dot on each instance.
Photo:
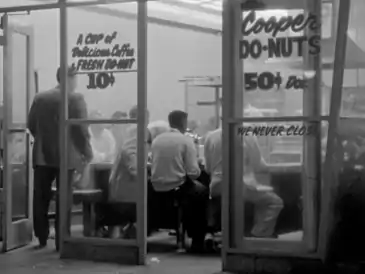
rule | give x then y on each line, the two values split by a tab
133	114
96	128
179	120
156	128
119	115
72	78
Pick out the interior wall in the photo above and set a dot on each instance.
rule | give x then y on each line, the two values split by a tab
172	54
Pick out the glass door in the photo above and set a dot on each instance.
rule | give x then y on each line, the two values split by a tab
272	89
18	91
103	235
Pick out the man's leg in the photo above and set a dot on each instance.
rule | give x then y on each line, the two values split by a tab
69	205
213	214
42	195
268	205
195	201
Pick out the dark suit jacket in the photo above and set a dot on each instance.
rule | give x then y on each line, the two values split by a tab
43	123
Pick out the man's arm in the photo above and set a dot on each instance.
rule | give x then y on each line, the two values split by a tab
191	160
254	152
32	117
80	133
111	143
131	163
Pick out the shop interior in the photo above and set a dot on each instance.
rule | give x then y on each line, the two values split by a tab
213	60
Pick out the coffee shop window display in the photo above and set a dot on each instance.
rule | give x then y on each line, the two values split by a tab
314	193
101	56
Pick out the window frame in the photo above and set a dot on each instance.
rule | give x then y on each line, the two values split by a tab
233	68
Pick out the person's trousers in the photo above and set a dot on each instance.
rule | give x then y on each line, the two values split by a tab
194	198
42	194
267	205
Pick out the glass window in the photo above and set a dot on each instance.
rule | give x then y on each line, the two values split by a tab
282	155
353	87
272	178
278	71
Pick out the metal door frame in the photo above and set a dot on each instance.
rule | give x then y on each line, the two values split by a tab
18	233
233	88
105	249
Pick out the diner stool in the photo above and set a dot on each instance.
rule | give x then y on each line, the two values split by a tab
180	229
166	212
88	198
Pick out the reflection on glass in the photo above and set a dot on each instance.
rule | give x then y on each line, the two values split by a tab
19	79
19	175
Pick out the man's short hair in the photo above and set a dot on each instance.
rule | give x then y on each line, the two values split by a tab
95	114
119	115
156	128
176	118
71	72
133	113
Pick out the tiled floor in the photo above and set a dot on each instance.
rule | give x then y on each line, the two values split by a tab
28	260
163	260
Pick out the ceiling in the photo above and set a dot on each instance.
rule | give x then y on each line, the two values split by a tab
204	13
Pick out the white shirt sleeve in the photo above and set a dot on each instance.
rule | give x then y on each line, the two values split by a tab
109	138
207	154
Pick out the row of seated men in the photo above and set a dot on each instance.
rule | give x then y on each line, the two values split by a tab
174	166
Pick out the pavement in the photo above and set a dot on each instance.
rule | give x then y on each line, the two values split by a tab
28	260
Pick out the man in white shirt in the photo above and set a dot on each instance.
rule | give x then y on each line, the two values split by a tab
175	166
267	204
119	130
123	185
102	140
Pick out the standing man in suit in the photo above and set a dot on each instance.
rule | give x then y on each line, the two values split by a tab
43	123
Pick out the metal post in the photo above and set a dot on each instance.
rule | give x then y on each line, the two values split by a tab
7	94
217	106
142	125
186	95
63	186
232	204
332	163
312	97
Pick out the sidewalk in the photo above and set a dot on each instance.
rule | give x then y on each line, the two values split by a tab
28	261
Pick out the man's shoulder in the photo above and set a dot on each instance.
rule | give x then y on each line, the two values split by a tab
47	94
162	137
213	134
76	96
249	139
170	138
107	133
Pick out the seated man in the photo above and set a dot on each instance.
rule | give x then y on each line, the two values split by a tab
175	168
267	204
102	140
123	180
119	130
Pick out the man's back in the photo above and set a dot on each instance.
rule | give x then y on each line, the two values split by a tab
213	159
43	122
173	158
